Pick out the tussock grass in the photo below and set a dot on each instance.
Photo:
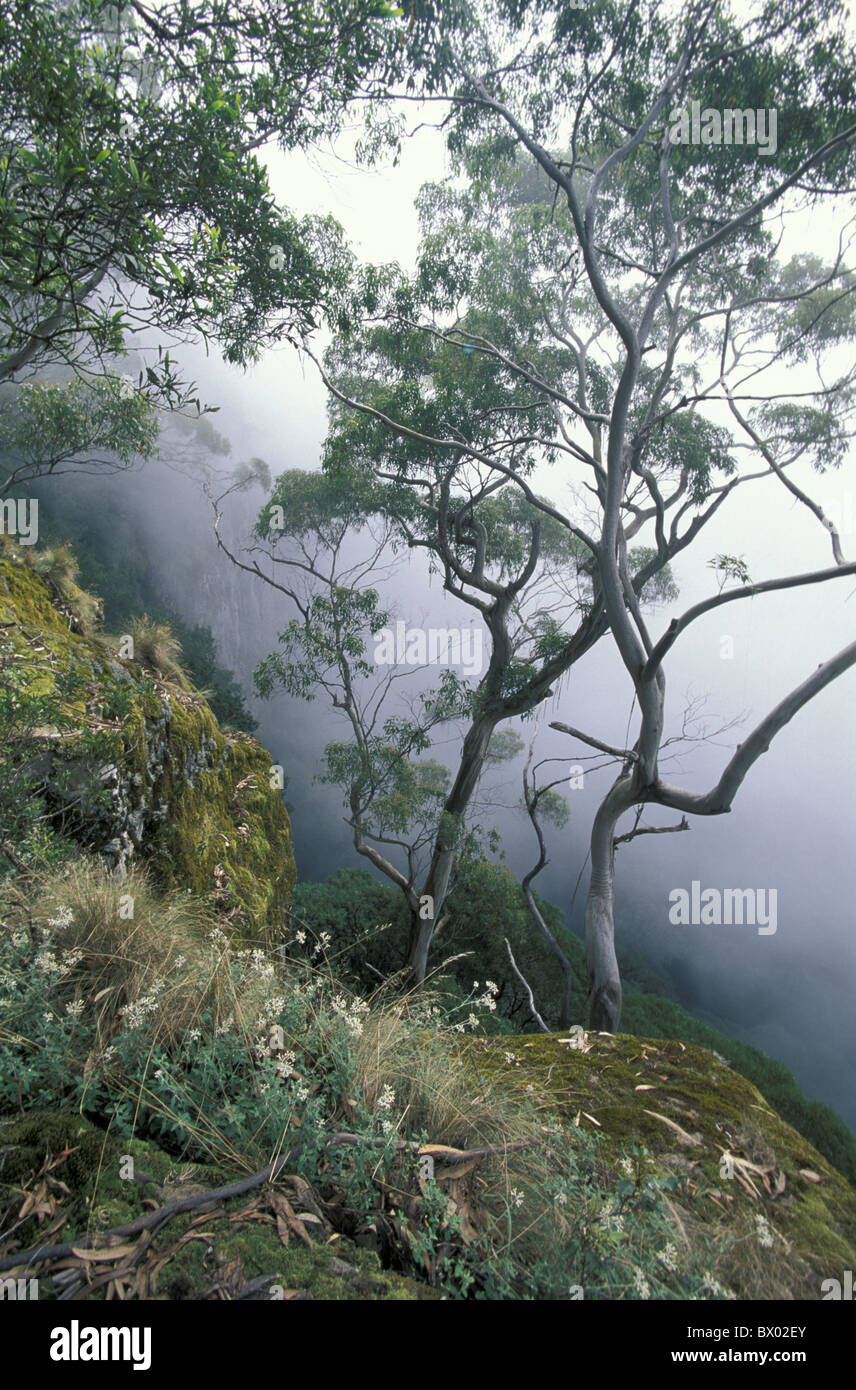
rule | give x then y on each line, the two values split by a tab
56	563
134	949
156	646
438	1092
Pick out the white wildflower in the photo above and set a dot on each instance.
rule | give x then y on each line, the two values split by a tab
47	962
613	1222
640	1283
139	1009
711	1285
285	1064
352	1013
386	1099
763	1232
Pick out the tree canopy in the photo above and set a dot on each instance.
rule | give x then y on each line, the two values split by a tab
133	200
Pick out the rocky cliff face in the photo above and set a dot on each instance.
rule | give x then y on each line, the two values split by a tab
136	767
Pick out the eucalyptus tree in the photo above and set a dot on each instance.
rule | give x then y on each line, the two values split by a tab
324	546
608	288
133	199
324	542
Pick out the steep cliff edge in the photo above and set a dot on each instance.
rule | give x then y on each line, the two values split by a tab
134	766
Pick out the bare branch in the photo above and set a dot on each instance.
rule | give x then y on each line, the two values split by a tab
650	830
532	1009
718	800
625	754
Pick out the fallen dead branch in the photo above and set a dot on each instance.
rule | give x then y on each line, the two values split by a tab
153	1221
158	1218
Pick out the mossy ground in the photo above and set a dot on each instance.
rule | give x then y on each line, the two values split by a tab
687	1109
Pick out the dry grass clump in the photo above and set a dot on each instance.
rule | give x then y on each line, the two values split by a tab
156	646
134	953
415	1071
58	564
440	1093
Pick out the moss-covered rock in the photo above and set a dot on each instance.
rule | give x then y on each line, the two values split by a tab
133	765
687	1113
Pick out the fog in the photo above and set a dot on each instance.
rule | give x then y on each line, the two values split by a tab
791	830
